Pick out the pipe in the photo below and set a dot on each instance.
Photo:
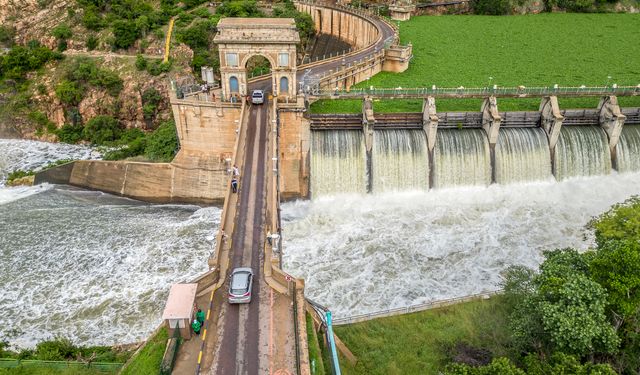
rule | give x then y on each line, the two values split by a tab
332	345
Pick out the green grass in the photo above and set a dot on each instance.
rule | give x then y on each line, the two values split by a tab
49	371
315	354
419	343
531	50
148	360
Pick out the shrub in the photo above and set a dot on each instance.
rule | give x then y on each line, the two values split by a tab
62	31
20	60
491	7
125	33
162	144
101	130
92	42
92	20
69	93
156	67
6	36
70	133
196	36
141	62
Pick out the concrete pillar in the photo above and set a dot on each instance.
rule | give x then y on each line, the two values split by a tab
491	124
368	121
491	119
430	121
430	128
551	119
611	120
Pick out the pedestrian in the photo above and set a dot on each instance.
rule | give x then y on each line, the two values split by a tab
246	98
213	96
269	237
196	326
234	185
236	171
200	317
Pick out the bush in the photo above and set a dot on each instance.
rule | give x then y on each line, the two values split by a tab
141	62
102	130
125	33
156	67
92	42
92	20
162	144
62	31
20	60
6	36
576	5
69	93
197	36
70	133
491	7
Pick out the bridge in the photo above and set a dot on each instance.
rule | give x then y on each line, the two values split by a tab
267	335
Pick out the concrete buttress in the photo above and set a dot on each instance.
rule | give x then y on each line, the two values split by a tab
611	119
551	119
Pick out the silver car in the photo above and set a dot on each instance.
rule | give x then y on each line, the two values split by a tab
257	97
240	285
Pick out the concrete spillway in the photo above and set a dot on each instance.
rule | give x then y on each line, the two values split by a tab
338	162
582	151
461	158
522	154
628	149
399	160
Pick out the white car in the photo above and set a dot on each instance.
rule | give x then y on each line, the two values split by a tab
257	97
240	285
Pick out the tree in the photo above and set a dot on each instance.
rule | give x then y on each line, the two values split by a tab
92	42
162	144
69	93
560	309
62	31
141	62
125	33
102	129
621	222
499	366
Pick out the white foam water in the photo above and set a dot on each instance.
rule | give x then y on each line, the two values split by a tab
365	253
22	154
94	267
87	265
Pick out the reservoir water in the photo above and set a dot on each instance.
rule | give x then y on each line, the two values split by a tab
87	265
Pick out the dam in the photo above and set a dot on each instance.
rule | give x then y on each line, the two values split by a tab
434	177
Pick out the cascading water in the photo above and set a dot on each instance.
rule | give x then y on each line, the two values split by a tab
628	149
522	154
400	160
338	162
582	151
87	265
461	157
359	254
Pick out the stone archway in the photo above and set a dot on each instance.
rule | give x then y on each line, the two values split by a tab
239	39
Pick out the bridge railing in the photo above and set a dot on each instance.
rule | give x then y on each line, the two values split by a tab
476	92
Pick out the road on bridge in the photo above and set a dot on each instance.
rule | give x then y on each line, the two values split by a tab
258	338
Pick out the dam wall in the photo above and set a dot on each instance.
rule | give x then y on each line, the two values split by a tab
348	26
372	152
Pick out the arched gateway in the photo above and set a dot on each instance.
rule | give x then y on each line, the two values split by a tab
239	39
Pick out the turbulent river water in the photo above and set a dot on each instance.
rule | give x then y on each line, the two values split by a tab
87	265
360	254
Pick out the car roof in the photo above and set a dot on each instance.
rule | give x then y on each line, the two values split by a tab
258	92
240	280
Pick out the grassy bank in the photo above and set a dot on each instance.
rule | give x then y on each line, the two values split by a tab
147	361
422	343
531	50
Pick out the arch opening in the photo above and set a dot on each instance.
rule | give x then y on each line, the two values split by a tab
258	65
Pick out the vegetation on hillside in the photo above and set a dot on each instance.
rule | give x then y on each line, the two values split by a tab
61	349
479	51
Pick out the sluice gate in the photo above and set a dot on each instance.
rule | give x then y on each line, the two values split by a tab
406	151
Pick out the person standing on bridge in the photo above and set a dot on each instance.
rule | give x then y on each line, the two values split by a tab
236	171
234	185
196	326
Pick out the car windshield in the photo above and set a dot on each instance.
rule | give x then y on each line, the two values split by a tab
240	282
257	94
